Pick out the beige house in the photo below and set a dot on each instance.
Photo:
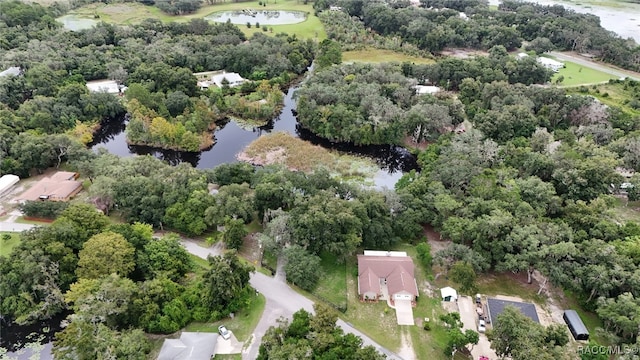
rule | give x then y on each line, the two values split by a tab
61	186
386	275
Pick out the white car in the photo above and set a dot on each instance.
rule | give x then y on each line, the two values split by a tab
481	326
224	332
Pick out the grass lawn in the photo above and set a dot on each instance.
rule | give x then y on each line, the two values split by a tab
241	325
379	55
575	74
590	320
6	246
134	13
611	95
253	227
333	282
627	210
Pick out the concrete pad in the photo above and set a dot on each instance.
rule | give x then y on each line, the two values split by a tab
404	312
231	346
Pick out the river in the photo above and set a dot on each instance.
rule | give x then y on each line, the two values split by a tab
230	139
620	17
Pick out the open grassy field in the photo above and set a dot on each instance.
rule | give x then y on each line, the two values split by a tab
134	13
627	210
333	282
575	75
611	94
6	246
371	55
299	155
241	325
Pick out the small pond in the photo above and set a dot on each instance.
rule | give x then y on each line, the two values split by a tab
75	23
264	17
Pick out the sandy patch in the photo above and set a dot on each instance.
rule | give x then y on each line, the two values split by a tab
406	349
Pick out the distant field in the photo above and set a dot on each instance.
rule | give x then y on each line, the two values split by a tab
379	55
575	74
134	13
6	246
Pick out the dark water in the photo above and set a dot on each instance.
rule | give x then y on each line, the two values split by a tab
230	139
14	337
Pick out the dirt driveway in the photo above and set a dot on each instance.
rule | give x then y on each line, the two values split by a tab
469	316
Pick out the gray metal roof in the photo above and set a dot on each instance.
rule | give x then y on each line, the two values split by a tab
496	307
190	346
578	326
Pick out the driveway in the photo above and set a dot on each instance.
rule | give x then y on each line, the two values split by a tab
404	312
282	301
231	346
469	316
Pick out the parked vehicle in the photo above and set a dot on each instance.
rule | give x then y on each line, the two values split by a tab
481	326
224	332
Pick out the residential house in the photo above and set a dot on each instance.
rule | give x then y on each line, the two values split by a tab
386	275
233	79
550	64
61	186
108	86
190	346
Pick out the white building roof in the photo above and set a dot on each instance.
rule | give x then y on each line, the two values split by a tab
449	291
14	70
522	55
7	181
424	89
108	86
234	79
549	62
384	253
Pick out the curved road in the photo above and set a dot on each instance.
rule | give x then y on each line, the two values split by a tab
282	301
580	60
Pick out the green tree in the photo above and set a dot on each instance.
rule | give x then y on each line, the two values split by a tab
87	219
424	254
463	274
165	257
226	284
104	300
329	53
105	253
83	340
234	232
302	269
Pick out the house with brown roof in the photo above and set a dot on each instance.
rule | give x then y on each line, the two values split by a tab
386	275
61	186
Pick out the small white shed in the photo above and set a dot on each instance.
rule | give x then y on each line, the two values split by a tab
449	294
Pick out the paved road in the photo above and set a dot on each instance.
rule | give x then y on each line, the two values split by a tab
282	301
594	65
14	227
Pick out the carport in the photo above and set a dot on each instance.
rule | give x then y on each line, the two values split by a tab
404	312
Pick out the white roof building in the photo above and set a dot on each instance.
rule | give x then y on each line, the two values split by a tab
7	182
550	63
425	89
14	70
234	79
108	86
449	294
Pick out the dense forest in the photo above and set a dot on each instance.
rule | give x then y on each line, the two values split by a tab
155	60
438	24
